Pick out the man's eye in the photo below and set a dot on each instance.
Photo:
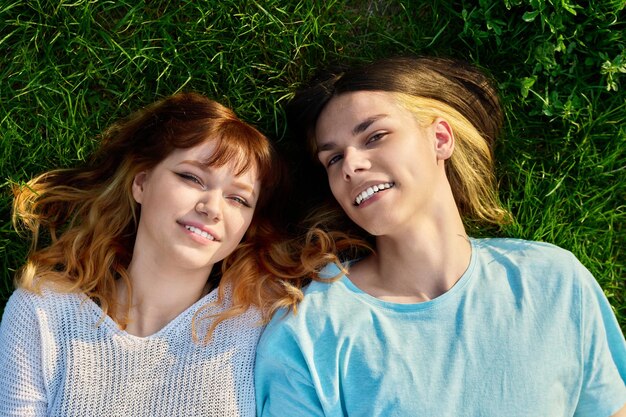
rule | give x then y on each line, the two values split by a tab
333	160
375	137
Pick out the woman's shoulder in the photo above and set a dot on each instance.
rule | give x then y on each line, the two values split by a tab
45	303
45	294
28	299
245	324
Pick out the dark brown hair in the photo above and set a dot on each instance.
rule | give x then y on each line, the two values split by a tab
428	87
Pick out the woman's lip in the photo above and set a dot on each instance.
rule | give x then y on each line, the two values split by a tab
200	227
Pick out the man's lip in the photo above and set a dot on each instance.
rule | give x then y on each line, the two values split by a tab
364	186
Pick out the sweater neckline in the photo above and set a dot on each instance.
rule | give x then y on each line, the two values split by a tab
110	324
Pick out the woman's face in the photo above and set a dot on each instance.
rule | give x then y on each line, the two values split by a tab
383	167
193	215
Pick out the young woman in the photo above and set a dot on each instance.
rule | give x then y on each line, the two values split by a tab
147	296
432	322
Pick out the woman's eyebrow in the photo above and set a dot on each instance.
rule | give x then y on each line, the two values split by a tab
242	185
246	187
194	162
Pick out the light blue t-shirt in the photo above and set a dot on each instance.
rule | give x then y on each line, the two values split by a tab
526	331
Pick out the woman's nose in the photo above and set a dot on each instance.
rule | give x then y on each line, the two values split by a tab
210	205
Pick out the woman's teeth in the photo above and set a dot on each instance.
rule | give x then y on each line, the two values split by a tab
199	232
370	191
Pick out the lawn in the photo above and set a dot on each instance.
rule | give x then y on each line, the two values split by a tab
70	68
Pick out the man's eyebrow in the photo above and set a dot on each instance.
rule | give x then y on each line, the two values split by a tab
326	147
359	128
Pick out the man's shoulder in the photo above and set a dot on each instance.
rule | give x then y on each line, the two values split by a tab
523	251
323	300
541	265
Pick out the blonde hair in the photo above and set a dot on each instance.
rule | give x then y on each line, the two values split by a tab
470	168
83	221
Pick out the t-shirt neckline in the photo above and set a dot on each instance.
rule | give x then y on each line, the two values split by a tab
449	296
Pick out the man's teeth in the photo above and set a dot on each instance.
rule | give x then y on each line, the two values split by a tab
370	191
199	232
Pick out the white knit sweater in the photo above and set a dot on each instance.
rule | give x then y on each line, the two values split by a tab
57	360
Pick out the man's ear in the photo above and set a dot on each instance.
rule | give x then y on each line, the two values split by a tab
444	139
138	182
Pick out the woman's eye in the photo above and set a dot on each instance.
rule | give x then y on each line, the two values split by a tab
190	177
240	200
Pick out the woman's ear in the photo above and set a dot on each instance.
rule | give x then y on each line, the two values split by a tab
138	182
444	139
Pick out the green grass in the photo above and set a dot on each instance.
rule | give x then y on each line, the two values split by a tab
69	68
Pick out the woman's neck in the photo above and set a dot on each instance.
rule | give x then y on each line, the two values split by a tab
158	295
